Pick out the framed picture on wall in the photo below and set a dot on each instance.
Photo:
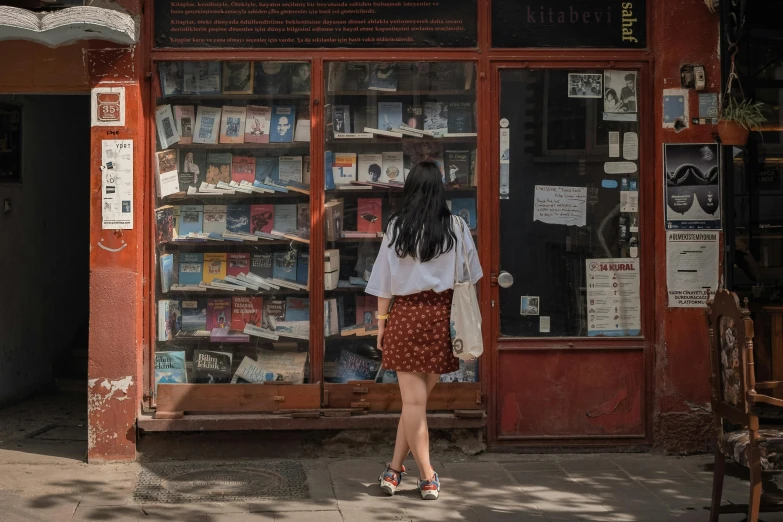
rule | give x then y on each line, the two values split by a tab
10	144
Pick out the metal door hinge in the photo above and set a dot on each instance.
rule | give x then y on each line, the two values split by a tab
493	279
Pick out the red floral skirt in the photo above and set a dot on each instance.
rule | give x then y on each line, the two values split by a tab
417	337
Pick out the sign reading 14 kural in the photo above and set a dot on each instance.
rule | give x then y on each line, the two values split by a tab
613	299
609	24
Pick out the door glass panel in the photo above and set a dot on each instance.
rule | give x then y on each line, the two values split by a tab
569	218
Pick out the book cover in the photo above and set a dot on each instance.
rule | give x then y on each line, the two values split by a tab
328	174
218	313
353	367
336	76
238	263
369	212
243	168
331	322
357	76
169	319
383	77
257	124
238	77
300	78
192	167
290	169
273	78
284	265
210	367
466	209
364	117
194	315
261	265
369	167
303	268
252	372
190	219
184	119
302	130
164	224
297	309
244	311
201	77
333	219
215	219
393	165
167	177
436	118
214	266
344	168
458	166
341	118
232	125
366	306
219	167
238	219
306	170
303	216
283	121
191	267
288	365
170	368
171	78
389	116
413	115
267	167
273	309
166	272
207	125
262	218
285	218
460	118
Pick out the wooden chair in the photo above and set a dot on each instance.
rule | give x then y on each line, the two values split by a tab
734	396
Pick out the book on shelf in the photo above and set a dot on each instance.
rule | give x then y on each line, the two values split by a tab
238	219
331	324
341	119
170	368
257	124
219	167
285	217
302	188
332	260
238	77
460	118
273	309
303	269
412	134
354	367
422	131
381	132
262	218
355	186
357	76
251	372
357	281
244	311
218	313
190	219
238	263
273	78
212	367
239	236
239	188
257	331
261	265
333	219
267	167
194	315
242	280
353	135
287	283
458	166
184	119
192	167
436	118
328	174
287	364
301	235
207	129
201	77
306	171
369	214
385	376
214	266
191	268
303	216
166	174
171	78
336	76
297	309
302	130
412	116
466	209
473	180
232	124
283	121
366	306
215	219
290	169
460	135
300	78
292	329
383	77
354	234
369	167
344	168
393	167
164	224
354	329
225	284
267	236
284	266
166	272
389	116
250	188
169	319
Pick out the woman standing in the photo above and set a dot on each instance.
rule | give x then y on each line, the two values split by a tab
416	265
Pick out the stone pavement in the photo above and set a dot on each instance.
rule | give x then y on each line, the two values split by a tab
37	484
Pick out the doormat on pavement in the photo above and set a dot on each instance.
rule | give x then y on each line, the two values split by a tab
181	482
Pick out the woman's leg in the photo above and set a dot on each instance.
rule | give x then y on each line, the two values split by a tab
401	446
413	387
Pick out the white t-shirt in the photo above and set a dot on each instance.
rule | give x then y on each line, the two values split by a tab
392	275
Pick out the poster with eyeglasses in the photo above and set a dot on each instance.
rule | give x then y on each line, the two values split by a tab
692	186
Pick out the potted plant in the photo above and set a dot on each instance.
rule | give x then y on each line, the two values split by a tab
737	119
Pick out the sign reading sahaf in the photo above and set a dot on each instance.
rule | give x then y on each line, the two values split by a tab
609	24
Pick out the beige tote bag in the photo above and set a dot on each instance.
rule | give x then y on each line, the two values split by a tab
465	327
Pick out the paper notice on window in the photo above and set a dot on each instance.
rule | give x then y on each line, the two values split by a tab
614	144
117	184
691	267
505	160
505	144
629	201
560	205
630	146
620	167
613	303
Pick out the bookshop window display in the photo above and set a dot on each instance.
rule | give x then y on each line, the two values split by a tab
381	119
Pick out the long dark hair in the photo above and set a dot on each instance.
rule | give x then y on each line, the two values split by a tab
421	227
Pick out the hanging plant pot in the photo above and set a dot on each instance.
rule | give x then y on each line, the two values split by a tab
732	134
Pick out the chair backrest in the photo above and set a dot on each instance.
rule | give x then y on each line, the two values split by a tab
731	350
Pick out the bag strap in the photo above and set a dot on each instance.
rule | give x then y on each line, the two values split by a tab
464	251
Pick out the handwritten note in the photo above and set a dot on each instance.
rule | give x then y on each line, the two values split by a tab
560	205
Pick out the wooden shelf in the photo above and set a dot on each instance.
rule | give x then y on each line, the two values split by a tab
427	93
219	200
186	99
244	146
385	140
214	293
231	244
382	190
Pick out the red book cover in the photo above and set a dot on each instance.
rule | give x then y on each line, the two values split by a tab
238	264
243	168
262	218
244	311
218	313
366	306
369	219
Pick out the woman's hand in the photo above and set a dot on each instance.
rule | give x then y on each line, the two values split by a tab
381	328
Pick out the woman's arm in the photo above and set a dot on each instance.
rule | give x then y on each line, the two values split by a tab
383	313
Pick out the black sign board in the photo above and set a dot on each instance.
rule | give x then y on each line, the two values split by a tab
319	23
613	24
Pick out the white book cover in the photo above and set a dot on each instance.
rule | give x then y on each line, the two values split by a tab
306	170
290	169
344	168
167	129
214	219
302	131
257	123
392	167
184	119
201	77
370	167
436	118
207	125
232	125
381	132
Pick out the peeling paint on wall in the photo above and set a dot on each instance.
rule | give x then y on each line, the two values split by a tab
100	393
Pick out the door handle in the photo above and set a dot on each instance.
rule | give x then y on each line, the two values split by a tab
503	279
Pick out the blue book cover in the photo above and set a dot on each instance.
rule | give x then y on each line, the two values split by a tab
267	167
194	315
166	272
170	368
302	267
285	266
389	115
328	174
191	267
238	219
190	219
297	309
466	209
285	217
283	122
